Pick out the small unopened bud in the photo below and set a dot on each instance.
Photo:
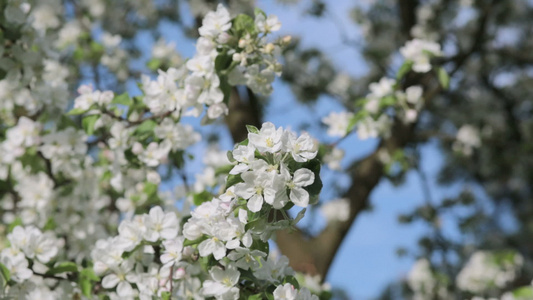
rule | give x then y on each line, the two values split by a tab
137	148
237	57
286	39
242	43
269	48
179	274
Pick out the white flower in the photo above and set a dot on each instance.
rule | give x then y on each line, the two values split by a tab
383	88
420	52
302	177
215	23
269	139
285	292
88	97
338	123
244	155
160	225
337	210
17	266
223	282
130	235
154	154
257	187
122	277
303	148
172	253
467	139
269	24
370	128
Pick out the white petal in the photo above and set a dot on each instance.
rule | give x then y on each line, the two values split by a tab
303	177
255	203
110	281
299	197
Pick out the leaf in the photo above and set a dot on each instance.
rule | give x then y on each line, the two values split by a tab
525	292
5	272
232	180
261	246
15	223
222	61
50	224
256	297
292	280
88	123
145	129
252	129
63	267
87	277
194	242
356	118
154	64
315	188
77	111
444	78
123	99
406	67
202	197
243	23
223	170
225	87
259	11
229	154
165	295
299	216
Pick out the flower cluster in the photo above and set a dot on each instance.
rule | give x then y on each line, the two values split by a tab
227	235
386	99
222	52
485	271
28	243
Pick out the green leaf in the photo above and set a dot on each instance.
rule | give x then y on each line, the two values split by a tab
86	279
145	129
292	280
225	87
525	292
387	101
243	23
5	272
165	296
229	154
232	180
222	61
15	223
252	129
88	123
223	170
261	246
315	188
50	224
202	197
194	242
444	78
77	111
123	99
63	267
356	118
256	297
406	67
259	11
154	64
150	188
